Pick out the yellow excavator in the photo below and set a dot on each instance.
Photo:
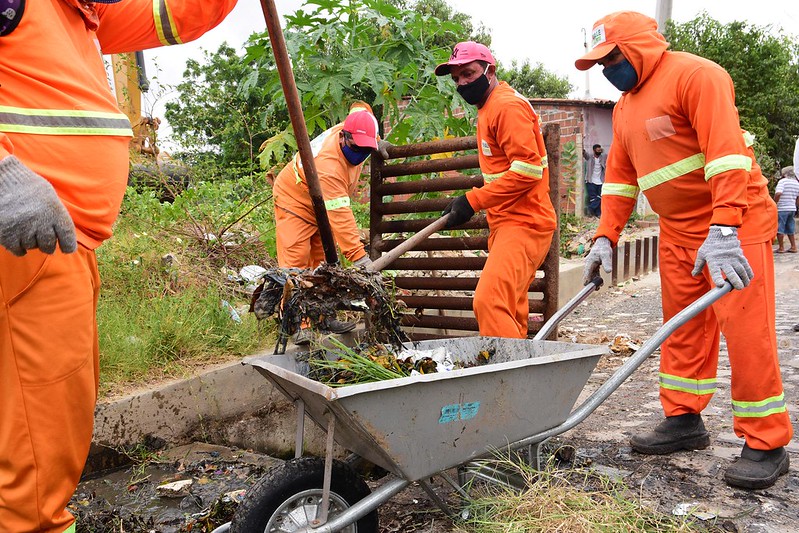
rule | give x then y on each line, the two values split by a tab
149	166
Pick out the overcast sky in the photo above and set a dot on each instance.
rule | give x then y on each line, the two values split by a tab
547	32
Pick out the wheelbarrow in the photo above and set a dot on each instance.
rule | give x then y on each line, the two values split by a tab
420	426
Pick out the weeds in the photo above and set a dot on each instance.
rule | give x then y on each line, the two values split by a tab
573	500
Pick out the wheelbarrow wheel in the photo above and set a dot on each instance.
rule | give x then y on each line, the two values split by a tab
289	497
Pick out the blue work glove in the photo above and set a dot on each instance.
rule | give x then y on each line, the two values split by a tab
459	210
601	254
722	253
364	262
31	214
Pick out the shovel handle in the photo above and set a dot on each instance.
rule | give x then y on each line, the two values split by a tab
389	257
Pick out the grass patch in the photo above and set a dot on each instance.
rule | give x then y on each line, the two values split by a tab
165	278
573	501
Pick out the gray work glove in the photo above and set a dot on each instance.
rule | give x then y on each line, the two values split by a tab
600	254
364	262
31	214
722	253
382	148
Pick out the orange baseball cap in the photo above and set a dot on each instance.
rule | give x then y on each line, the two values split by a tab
466	52
362	125
611	29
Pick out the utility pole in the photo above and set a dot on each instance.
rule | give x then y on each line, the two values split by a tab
663	13
585	45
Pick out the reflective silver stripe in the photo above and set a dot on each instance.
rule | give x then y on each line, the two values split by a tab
763	408
63	122
749	138
164	25
691	386
335	203
675	170
619	189
526	169
728	162
70	529
488	178
545	161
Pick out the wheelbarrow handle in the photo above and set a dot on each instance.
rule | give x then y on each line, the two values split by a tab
555	319
632	364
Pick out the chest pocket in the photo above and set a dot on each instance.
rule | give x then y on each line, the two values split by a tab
10	15
659	128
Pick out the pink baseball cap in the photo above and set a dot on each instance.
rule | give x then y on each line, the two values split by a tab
466	52
362	125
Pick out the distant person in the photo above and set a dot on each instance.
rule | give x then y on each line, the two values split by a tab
677	138
64	154
594	178
339	154
513	160
786	194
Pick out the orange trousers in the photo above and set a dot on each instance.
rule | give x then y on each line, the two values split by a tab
48	384
501	302
299	243
689	357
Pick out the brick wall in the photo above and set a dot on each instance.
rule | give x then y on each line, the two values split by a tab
570	118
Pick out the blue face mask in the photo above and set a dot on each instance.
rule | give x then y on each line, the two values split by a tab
354	158
622	75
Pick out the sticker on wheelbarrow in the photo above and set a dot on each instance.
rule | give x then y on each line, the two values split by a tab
458	411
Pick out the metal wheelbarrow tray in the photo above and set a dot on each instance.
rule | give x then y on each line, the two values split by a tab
420	425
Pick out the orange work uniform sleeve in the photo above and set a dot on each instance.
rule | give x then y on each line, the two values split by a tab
142	24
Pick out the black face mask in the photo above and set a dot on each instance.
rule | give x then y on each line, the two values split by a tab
473	92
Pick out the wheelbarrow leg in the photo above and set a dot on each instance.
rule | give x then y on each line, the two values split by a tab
428	488
299	438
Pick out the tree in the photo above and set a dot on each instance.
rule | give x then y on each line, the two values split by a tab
764	68
535	81
213	119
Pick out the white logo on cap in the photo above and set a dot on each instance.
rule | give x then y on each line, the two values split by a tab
598	36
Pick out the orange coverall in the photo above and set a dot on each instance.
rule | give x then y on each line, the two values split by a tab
60	118
677	138
520	215
299	243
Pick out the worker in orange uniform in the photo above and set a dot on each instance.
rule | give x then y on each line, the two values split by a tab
63	172
339	154
677	138
521	218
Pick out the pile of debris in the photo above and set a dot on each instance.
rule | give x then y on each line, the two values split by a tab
315	296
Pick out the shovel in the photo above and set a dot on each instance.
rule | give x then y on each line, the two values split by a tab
388	258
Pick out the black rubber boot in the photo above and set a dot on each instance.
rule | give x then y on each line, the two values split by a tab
757	469
681	432
338	326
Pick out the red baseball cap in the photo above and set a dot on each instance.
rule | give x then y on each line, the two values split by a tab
611	29
362	125
466	52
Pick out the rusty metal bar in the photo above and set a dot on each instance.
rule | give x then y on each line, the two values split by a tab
654	252
433	147
416	225
646	255
429	185
430	165
439	263
300	131
415	206
440	243
453	322
452	283
637	257
455	303
551	266
626	270
614	274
